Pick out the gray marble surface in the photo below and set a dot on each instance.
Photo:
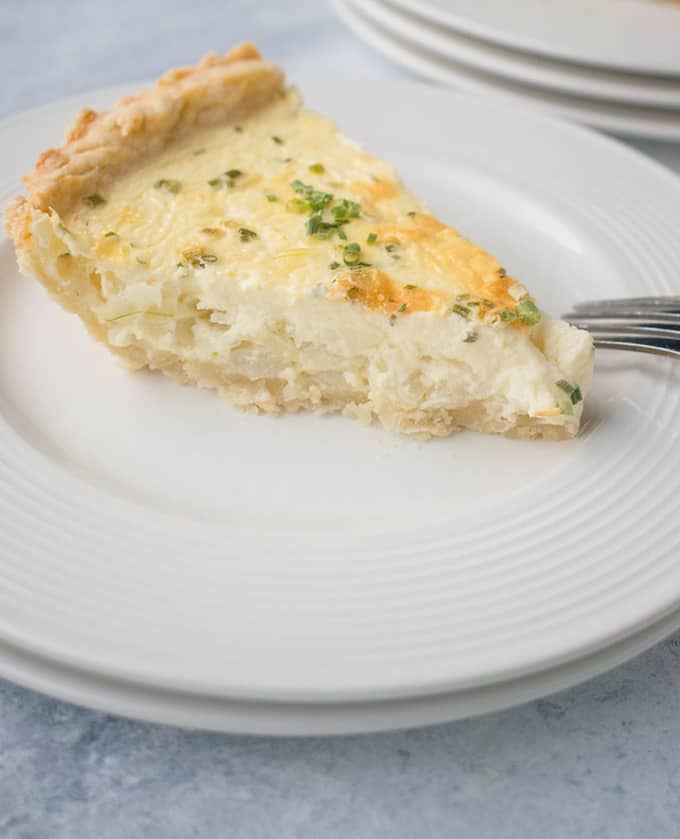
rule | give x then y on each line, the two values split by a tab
599	760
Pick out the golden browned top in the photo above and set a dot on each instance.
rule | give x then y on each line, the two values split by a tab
198	175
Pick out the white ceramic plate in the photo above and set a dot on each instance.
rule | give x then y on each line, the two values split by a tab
152	534
659	123
309	718
524	67
640	36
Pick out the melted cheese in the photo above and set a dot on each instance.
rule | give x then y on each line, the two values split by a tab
219	207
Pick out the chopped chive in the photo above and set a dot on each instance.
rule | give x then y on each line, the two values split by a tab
318	168
411	213
507	315
528	312
168	185
566	408
470	338
233	173
216	183
372	238
402	308
564	385
502	272
238	129
334	265
391	247
574	393
141	261
94	200
63	255
313	224
351	253
271	197
109	234
212	231
208	257
277	140
393	320
297	205
247	235
463	311
345	210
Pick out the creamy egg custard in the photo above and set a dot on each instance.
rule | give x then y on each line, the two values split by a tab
216	230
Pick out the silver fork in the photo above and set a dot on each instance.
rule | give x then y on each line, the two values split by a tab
643	324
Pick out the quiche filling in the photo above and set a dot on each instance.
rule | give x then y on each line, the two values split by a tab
266	255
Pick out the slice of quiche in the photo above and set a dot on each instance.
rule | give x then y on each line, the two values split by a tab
215	229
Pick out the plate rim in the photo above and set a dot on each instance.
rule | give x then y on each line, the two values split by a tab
530	69
483	26
231	715
418	59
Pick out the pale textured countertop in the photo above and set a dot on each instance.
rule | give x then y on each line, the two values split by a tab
600	760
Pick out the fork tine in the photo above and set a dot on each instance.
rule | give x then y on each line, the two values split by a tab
636	304
667	323
637	345
642	324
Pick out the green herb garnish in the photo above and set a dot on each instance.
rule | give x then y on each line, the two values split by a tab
566	408
63	255
110	234
94	200
470	338
141	261
391	247
410	287
372	238
334	265
345	210
573	392
507	315
528	312
168	185
216	183
316	199
402	308
233	173
502	272
393	320
212	231
271	197
247	235
277	140
461	310
317	168
238	129
297	205
351	254
411	213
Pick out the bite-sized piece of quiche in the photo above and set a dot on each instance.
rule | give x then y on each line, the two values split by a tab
215	229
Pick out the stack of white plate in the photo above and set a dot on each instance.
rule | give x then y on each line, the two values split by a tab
613	64
165	557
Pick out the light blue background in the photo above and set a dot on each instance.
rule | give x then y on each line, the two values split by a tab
600	760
